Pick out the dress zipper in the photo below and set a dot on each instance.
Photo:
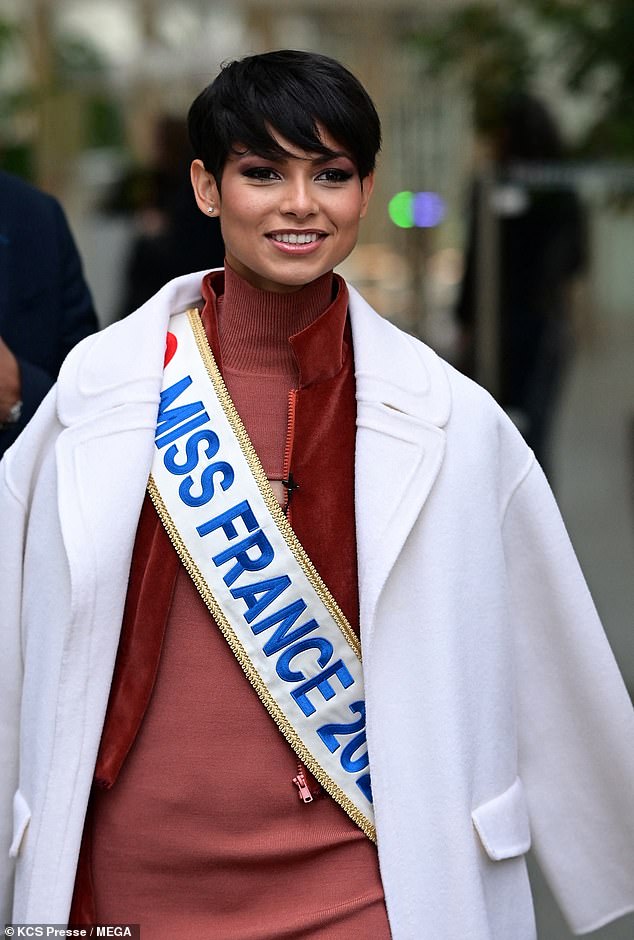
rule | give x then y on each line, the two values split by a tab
306	793
287	476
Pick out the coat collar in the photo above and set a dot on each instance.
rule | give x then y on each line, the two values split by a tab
396	370
123	364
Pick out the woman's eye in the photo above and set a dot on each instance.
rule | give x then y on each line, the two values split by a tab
334	176
264	173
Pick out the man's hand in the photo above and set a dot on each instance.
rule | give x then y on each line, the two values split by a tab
10	385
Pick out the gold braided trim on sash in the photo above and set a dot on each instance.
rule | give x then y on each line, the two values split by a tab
302	559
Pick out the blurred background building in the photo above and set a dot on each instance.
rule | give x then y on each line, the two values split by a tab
86	84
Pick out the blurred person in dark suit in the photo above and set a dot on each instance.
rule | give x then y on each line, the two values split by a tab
542	253
45	303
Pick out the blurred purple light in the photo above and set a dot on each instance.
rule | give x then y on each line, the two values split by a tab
428	210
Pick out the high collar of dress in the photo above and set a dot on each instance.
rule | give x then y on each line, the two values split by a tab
264	332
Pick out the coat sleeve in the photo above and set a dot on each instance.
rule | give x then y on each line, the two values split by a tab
575	719
11	552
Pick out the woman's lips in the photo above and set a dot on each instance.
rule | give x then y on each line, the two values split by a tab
295	243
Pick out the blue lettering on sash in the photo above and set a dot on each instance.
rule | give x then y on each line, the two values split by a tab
320	682
271	590
365	785
207	488
192	453
196	422
361	762
283	665
225	521
286	617
244	562
172	423
328	733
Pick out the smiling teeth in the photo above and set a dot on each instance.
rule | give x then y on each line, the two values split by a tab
290	238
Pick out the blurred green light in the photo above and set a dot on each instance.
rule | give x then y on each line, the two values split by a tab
401	209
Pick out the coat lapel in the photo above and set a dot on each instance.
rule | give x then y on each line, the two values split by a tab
403	403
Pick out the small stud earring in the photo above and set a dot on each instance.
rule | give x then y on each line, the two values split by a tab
211	209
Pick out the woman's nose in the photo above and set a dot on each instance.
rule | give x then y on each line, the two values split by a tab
299	200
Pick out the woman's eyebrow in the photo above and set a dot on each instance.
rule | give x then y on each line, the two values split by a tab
332	155
316	159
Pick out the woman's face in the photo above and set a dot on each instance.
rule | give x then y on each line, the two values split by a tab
286	221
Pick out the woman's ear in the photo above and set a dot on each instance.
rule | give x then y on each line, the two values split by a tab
367	185
205	189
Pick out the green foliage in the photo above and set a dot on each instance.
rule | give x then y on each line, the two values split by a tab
10	37
76	59
597	39
78	67
486	45
103	122
494	47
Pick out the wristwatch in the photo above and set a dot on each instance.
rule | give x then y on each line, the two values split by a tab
15	413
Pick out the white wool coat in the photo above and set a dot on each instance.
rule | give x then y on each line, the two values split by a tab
495	712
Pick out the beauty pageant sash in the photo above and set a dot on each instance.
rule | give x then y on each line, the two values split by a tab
282	624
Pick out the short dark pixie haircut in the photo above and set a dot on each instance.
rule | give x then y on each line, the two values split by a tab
289	93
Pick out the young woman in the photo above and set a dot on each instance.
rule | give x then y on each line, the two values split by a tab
329	671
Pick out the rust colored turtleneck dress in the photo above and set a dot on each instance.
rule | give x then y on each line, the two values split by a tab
195	829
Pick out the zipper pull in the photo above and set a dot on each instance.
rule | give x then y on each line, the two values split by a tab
305	793
290	486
